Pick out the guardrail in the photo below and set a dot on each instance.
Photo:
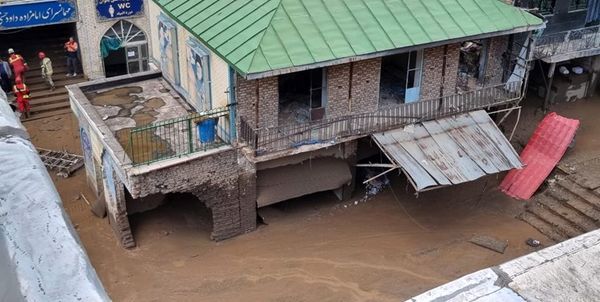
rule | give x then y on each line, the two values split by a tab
566	42
267	140
177	137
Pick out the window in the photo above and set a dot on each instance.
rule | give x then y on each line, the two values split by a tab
124	49
198	76
578	4
302	96
401	78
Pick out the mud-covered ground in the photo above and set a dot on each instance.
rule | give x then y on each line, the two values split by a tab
315	248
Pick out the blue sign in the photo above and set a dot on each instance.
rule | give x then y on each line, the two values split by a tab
37	13
116	9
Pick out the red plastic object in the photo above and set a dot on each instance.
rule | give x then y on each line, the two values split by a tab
544	150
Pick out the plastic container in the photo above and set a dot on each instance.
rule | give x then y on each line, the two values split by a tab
206	131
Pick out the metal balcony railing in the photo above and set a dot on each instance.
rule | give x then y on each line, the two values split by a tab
268	140
177	137
568	42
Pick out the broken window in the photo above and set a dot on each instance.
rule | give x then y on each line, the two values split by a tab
302	96
401	78
472	64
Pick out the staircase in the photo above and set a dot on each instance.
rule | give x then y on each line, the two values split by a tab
45	102
569	207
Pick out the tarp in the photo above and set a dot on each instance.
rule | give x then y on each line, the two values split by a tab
450	150
41	258
544	150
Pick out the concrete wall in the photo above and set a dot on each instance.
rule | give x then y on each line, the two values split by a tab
219	69
90	30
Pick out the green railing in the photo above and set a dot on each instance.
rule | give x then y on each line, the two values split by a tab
180	136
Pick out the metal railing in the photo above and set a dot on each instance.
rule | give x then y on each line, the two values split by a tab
267	140
177	137
566	42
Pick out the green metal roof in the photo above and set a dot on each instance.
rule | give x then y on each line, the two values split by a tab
257	36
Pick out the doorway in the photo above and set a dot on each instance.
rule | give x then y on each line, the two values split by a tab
124	48
401	78
302	96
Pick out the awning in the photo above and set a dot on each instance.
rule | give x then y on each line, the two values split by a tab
449	151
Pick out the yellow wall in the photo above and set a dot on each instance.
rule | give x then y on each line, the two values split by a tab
219	69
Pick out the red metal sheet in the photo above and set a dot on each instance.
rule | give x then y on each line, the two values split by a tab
544	150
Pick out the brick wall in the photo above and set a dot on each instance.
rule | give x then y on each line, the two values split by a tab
365	85
495	65
364	81
433	66
224	181
249	91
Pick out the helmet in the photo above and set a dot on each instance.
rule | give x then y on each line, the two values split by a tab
41	55
11	51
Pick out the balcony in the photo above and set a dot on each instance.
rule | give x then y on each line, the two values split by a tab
329	131
568	45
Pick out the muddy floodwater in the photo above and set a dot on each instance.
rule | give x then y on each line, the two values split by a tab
315	248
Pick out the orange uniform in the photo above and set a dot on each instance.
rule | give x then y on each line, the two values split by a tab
22	94
18	65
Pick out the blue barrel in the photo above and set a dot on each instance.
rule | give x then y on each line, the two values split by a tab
206	130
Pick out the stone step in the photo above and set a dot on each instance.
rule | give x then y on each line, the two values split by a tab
37	116
61	98
585	194
543	227
58	83
576	218
49	107
560	224
57	77
568	198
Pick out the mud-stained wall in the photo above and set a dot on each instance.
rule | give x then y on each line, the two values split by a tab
219	69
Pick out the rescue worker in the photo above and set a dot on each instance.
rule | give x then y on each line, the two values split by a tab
71	47
22	94
46	66
5	76
18	64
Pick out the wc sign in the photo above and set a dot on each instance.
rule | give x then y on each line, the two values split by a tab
117	9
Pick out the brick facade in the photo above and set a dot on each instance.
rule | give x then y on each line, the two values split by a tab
224	181
495	65
338	90
439	80
258	114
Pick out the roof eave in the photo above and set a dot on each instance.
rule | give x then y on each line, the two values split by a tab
280	71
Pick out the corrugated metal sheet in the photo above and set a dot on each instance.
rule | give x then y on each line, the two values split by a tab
263	35
449	151
544	150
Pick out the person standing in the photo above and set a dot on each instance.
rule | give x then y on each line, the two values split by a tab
46	66
5	76
22	94
72	47
18	64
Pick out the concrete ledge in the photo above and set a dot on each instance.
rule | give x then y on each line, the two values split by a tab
568	271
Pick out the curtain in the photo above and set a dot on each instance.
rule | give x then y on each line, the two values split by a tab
109	44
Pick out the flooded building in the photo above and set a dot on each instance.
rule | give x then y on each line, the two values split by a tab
113	38
258	102
567	51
